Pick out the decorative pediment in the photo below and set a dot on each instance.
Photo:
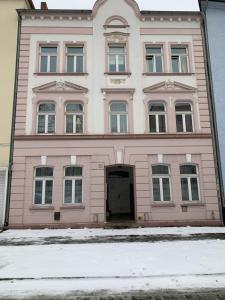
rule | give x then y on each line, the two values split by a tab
60	87
169	87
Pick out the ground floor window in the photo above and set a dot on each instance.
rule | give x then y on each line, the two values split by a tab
43	185
73	185
161	183
189	182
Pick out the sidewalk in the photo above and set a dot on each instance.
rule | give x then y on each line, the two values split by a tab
55	263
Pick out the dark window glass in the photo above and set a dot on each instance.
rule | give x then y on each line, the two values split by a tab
188	170
166	189
188	120
152	123
44	172
184	189
78	191
179	123
160	170
38	192
194	189
48	191
73	171
156	189
47	107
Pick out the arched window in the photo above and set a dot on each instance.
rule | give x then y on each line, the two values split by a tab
184	117
161	183
157	118
189	182
74	118
118	117
43	185
73	185
46	118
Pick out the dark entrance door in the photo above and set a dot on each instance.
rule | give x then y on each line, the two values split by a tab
120	193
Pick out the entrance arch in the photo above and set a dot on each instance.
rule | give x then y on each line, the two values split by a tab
120	193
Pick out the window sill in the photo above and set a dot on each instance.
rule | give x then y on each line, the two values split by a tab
191	203
167	74
118	73
60	74
42	207
72	206
167	204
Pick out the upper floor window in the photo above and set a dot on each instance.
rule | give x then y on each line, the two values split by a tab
184	118
74	118
75	59
161	183
117	58
48	59
46	118
179	59
189	182
154	59
43	185
157	118
118	117
73	185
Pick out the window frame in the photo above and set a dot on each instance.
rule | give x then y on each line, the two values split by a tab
161	46
75	45
43	179
118	114
156	114
46	118
48	45
189	176
74	115
161	177
117	45
187	55
73	179
183	114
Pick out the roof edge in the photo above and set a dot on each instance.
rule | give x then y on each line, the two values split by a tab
31	4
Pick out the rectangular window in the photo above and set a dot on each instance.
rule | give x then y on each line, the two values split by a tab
73	185
48	59
43	186
75	59
157	118
189	183
179	59
161	183
118	117
154	59
117	60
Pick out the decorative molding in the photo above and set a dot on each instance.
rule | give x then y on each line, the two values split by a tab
124	23
169	87
133	4
97	6
60	87
117	90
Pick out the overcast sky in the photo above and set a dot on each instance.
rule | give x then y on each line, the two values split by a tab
143	4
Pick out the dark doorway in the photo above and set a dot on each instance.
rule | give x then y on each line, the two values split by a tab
120	193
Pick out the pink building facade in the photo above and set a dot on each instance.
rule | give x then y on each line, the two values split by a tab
112	120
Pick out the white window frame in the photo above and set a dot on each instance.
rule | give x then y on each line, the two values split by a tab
43	179
188	177
179	57
118	114
46	115
183	114
161	177
117	57
74	119
48	57
4	169
73	179
156	114
154	58
74	57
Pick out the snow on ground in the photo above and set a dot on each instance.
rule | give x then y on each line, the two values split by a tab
80	234
115	267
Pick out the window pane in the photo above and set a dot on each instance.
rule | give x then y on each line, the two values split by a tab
184	189
112	63
74	107
79	124
44	172
121	63
114	123
156	107
175	64
41	124
150	64
79	64
154	50
70	64
118	107
156	189
188	169
46	107
73	171
152	123
51	124
44	64
116	50
160	169
38	192
48	191
179	50
68	191
78	191
194	189
53	60
75	50
123	123
166	189
162	123
188	119
179	122
184	64
49	50
158	62
69	124
183	107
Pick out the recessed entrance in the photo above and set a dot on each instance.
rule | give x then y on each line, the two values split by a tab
120	193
